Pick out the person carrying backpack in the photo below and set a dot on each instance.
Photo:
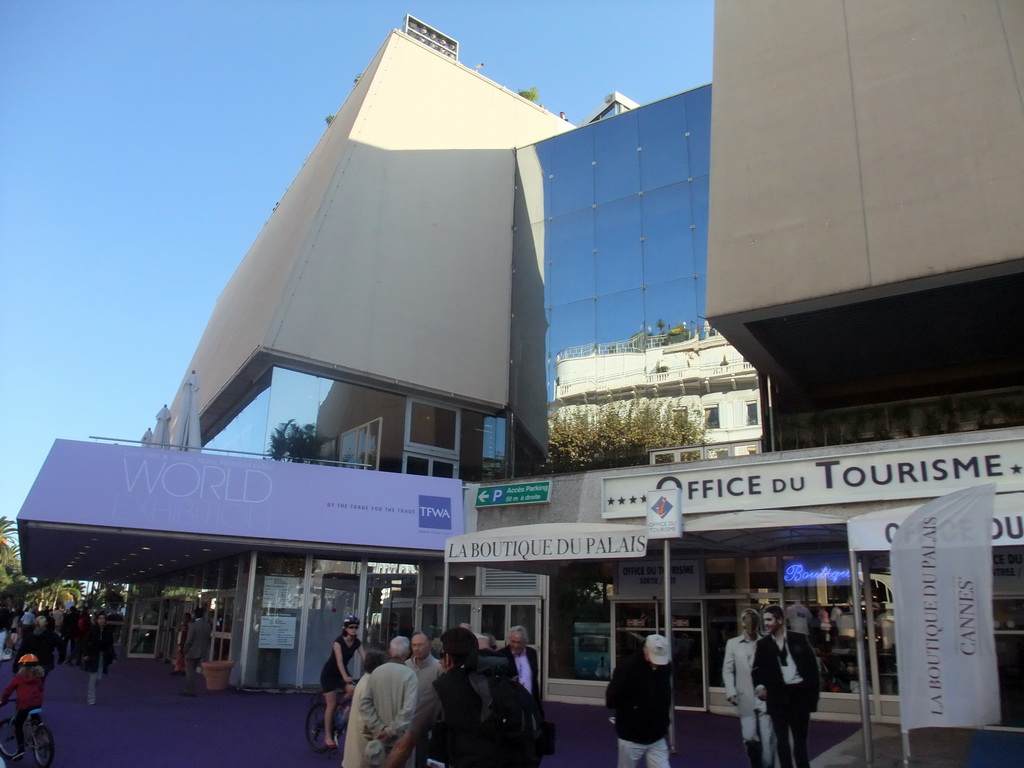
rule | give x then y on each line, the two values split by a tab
480	715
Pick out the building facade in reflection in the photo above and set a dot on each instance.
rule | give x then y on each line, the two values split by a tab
620	236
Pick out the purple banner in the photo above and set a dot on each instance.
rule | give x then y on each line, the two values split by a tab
206	493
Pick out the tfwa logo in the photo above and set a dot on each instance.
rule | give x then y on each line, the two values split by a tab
436	512
662	507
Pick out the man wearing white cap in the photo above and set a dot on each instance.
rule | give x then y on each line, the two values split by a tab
641	695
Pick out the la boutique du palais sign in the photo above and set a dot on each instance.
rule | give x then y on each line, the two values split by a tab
889	474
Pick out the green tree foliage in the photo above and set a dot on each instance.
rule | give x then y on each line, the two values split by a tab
53	593
617	434
530	94
9	555
294	442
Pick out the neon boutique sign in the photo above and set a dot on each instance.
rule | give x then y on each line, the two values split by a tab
797	573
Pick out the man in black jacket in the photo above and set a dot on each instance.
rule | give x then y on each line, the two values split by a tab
785	676
641	695
523	660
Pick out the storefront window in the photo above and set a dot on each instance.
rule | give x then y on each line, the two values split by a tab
580	633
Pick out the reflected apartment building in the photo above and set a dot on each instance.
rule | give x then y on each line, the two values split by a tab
624	221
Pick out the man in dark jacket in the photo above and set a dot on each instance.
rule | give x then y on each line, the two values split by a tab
785	677
641	695
197	645
523	660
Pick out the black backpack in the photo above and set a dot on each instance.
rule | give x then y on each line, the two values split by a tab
490	720
512	716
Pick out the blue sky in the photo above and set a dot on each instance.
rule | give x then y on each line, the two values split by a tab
144	144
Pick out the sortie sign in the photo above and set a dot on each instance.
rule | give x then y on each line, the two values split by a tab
517	493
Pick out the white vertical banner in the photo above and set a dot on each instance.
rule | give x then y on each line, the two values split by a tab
664	513
942	585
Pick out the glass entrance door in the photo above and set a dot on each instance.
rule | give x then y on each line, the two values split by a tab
221	614
635	620
688	654
144	629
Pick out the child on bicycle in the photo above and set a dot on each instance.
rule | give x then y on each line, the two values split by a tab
28	684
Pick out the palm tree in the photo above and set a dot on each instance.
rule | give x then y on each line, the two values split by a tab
293	442
9	554
51	593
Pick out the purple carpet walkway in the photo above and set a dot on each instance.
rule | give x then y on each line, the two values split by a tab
140	720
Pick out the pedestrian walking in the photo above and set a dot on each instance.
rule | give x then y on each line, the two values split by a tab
197	645
641	695
97	653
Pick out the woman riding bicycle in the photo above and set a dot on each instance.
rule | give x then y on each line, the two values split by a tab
335	673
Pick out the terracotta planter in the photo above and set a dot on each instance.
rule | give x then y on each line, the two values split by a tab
217	674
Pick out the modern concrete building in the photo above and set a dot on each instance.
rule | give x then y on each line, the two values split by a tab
866	243
437	281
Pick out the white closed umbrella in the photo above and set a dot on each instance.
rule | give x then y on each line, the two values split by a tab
162	434
147	438
186	431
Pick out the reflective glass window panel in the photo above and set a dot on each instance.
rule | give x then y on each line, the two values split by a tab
293	396
618	263
662	134
247	432
417	465
432	425
711	417
620	318
569	253
675	303
525	616
492	619
567	163
698	125
617	168
699	201
441	468
572	325
668	240
580	631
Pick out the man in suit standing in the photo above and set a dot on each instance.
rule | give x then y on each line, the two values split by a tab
785	677
197	645
523	659
758	734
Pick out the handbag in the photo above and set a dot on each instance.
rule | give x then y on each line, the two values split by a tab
546	740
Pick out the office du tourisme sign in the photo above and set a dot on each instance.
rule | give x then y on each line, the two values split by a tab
842	478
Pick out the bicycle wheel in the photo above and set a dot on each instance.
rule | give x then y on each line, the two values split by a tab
8	740
43	747
315	726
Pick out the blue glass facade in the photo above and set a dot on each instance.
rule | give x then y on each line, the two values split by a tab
625	226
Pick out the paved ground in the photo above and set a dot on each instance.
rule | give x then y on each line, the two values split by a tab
140	720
